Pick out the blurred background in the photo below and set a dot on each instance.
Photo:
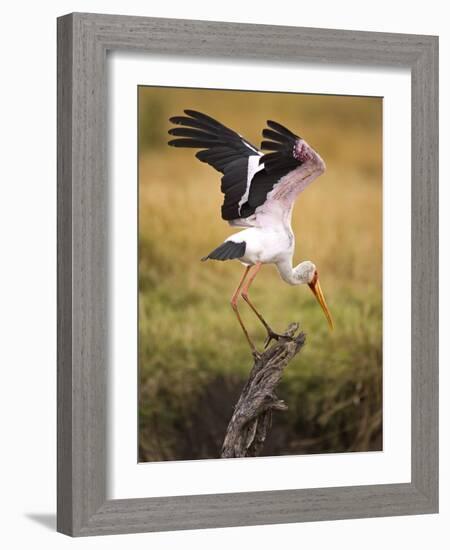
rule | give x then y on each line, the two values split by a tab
193	357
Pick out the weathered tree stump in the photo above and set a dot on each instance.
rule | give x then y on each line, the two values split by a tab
252	416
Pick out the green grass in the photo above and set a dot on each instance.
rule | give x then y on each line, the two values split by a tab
192	354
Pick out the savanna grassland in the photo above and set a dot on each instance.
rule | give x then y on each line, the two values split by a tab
193	358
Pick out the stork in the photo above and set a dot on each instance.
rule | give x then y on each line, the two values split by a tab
259	193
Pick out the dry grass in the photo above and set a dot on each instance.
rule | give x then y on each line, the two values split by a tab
193	357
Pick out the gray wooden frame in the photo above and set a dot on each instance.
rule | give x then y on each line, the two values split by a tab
83	41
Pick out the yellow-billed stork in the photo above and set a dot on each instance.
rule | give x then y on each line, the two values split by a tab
259	193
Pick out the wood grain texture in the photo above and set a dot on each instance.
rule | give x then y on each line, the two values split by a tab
425	273
255	508
64	299
83	41
252	415
83	268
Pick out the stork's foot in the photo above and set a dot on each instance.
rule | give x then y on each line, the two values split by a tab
271	335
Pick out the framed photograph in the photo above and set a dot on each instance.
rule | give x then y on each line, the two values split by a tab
247	274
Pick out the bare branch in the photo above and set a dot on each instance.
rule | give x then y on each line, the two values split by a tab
252	416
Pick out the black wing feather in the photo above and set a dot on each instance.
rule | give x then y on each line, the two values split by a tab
278	162
222	148
281	129
188	142
281	142
229	153
192	132
187	121
272	146
271	134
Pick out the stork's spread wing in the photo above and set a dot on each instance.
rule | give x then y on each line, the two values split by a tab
249	177
278	163
225	150
289	167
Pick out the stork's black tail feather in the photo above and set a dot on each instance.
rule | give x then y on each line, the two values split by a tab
228	250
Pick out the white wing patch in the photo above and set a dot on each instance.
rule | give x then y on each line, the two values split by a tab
253	168
249	145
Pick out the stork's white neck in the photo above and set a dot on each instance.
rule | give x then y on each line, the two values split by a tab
301	274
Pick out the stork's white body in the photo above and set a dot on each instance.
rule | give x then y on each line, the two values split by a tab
266	245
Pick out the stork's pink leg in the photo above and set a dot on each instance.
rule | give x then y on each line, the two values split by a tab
234	300
244	294
271	335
